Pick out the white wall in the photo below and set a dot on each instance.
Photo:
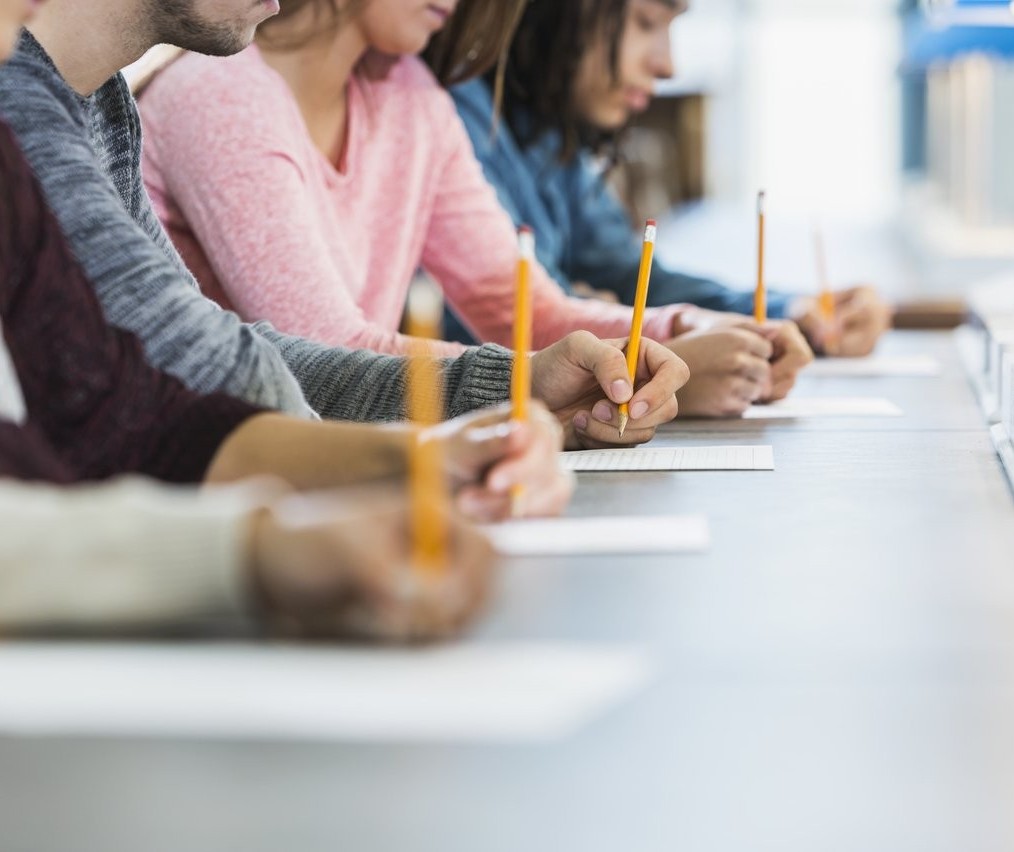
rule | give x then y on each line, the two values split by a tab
805	101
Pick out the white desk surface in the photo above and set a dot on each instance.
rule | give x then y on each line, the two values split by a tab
837	673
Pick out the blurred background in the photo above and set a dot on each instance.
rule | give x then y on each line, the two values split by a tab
889	122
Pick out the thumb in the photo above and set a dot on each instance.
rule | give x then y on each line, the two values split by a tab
605	360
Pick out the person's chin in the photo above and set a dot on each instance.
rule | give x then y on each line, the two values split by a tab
407	45
613	120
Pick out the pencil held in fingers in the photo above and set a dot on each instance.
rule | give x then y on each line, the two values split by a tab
760	298
640	304
428	489
521	378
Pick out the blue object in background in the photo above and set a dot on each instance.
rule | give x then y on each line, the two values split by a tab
942	32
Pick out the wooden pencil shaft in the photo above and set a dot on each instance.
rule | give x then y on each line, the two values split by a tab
640	306
521	384
425	404
521	376
760	307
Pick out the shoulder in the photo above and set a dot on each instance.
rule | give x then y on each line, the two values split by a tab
410	72
15	173
491	137
237	97
473	98
409	85
412	91
30	85
21	214
194	83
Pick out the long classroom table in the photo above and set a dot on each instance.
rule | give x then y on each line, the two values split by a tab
836	673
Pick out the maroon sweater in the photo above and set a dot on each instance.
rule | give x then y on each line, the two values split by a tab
95	407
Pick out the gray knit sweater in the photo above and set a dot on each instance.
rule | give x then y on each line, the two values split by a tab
87	155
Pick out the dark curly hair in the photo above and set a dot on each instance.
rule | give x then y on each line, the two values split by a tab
542	65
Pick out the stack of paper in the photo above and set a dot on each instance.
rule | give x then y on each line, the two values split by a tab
517	692
608	535
847	406
875	366
672	458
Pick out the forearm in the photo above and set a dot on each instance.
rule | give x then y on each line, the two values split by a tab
309	455
358	385
125	554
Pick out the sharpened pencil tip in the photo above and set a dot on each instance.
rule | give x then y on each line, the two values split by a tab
624	419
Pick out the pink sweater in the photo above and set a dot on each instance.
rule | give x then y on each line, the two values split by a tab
274	230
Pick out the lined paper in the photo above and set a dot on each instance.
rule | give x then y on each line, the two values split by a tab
874	367
607	535
494	693
845	406
671	458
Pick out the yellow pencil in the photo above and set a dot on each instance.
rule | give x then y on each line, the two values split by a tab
521	384
427	486
760	298
640	303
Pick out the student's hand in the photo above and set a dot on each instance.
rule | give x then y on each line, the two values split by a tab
861	317
693	318
583	380
791	354
729	370
486	454
321	569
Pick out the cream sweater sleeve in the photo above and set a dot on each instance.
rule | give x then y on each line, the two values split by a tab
130	553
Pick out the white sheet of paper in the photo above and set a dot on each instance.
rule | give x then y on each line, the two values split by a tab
464	693
671	458
873	367
608	535
841	406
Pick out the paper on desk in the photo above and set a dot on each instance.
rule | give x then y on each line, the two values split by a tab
841	406
875	366
466	693
671	458
612	535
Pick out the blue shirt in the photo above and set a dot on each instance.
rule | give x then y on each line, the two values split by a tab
582	231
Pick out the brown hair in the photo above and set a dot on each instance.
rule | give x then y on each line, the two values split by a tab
474	41
552	39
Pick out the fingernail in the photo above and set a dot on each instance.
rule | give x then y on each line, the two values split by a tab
621	390
581	421
603	412
638	410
